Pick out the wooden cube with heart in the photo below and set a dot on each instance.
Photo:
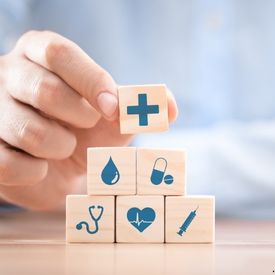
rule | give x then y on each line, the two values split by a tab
140	219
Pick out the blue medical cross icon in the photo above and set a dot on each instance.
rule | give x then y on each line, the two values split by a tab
142	109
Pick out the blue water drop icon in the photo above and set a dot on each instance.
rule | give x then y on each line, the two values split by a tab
110	174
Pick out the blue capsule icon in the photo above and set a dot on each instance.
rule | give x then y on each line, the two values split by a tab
158	172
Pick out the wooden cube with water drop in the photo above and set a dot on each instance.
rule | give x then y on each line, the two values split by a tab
140	219
90	219
189	219
111	171
161	171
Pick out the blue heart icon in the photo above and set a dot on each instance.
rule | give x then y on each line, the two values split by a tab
141	219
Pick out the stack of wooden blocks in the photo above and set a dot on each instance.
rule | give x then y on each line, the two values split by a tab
138	194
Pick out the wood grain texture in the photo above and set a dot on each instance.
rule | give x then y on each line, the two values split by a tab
125	160
156	95
126	232
200	230
77	210
150	159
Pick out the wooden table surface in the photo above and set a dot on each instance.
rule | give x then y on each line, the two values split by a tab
33	243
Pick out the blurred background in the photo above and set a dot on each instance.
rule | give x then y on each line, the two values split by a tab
218	58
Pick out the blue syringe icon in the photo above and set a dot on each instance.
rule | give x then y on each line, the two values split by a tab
187	222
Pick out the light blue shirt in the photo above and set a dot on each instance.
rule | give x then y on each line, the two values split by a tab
216	56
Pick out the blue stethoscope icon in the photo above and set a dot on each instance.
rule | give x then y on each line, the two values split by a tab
158	172
94	218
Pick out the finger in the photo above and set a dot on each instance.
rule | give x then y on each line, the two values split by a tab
19	168
36	86
47	194
23	128
75	67
172	107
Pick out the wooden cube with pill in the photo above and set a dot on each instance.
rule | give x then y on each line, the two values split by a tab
140	219
111	171
90	219
189	219
161	171
143	108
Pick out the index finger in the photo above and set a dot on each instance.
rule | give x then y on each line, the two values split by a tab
64	58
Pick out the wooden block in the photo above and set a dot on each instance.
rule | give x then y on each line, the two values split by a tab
80	226
111	171
143	108
161	171
140	219
190	219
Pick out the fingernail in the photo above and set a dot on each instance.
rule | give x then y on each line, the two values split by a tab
107	102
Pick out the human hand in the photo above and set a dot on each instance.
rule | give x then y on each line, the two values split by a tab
55	101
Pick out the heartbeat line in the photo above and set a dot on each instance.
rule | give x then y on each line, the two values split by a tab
139	222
